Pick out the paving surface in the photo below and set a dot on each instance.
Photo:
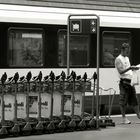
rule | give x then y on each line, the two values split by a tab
119	132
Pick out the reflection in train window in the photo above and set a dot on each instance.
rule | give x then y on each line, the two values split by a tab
111	46
25	48
79	49
62	48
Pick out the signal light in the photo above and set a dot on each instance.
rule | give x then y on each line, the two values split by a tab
93	26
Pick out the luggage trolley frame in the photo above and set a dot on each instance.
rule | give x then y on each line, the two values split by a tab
84	120
51	125
92	122
27	129
15	130
72	124
12	126
38	88
107	119
62	126
3	129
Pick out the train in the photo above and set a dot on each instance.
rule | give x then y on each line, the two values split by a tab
34	38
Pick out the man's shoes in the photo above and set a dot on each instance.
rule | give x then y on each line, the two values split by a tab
138	116
125	121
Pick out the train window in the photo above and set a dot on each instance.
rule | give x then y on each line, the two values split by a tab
79	49
111	45
25	48
62	48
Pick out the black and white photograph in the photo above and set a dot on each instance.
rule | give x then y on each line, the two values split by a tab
70	69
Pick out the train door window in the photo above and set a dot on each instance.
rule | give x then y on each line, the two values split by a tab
79	49
25	47
111	45
62	48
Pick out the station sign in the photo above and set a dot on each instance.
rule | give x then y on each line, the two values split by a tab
86	24
83	26
76	26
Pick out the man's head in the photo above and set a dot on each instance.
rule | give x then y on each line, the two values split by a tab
125	49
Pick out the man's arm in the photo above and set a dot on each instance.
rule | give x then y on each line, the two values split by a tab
120	68
124	71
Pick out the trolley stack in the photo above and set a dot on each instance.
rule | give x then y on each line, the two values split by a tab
49	104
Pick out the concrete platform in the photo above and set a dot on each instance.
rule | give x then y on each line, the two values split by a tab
119	132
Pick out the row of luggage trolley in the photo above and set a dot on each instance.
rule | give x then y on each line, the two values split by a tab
36	105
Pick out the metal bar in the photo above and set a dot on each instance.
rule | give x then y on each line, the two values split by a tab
27	101
97	92
15	106
73	99
68	46
83	100
52	90
93	100
62	100
2	105
39	102
111	103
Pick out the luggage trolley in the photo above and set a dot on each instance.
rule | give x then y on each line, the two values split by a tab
3	127
15	130
52	120
60	120
58	109
69	101
85	85
35	103
64	119
27	129
107	119
37	91
92	122
46	105
73	100
9	106
21	103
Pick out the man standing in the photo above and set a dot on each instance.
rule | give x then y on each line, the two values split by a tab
127	90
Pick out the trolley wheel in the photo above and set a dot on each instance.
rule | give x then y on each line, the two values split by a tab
92	123
15	130
72	125
62	126
51	127
3	132
102	123
15	134
26	133
27	129
39	128
82	125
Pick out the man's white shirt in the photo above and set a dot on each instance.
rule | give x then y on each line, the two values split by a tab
122	63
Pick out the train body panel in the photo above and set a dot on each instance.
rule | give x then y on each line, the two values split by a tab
34	38
108	76
59	16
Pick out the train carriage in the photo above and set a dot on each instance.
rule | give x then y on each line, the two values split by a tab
33	37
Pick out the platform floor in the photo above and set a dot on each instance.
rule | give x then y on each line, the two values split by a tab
119	132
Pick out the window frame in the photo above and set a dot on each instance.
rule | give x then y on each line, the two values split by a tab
26	30
88	57
115	32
